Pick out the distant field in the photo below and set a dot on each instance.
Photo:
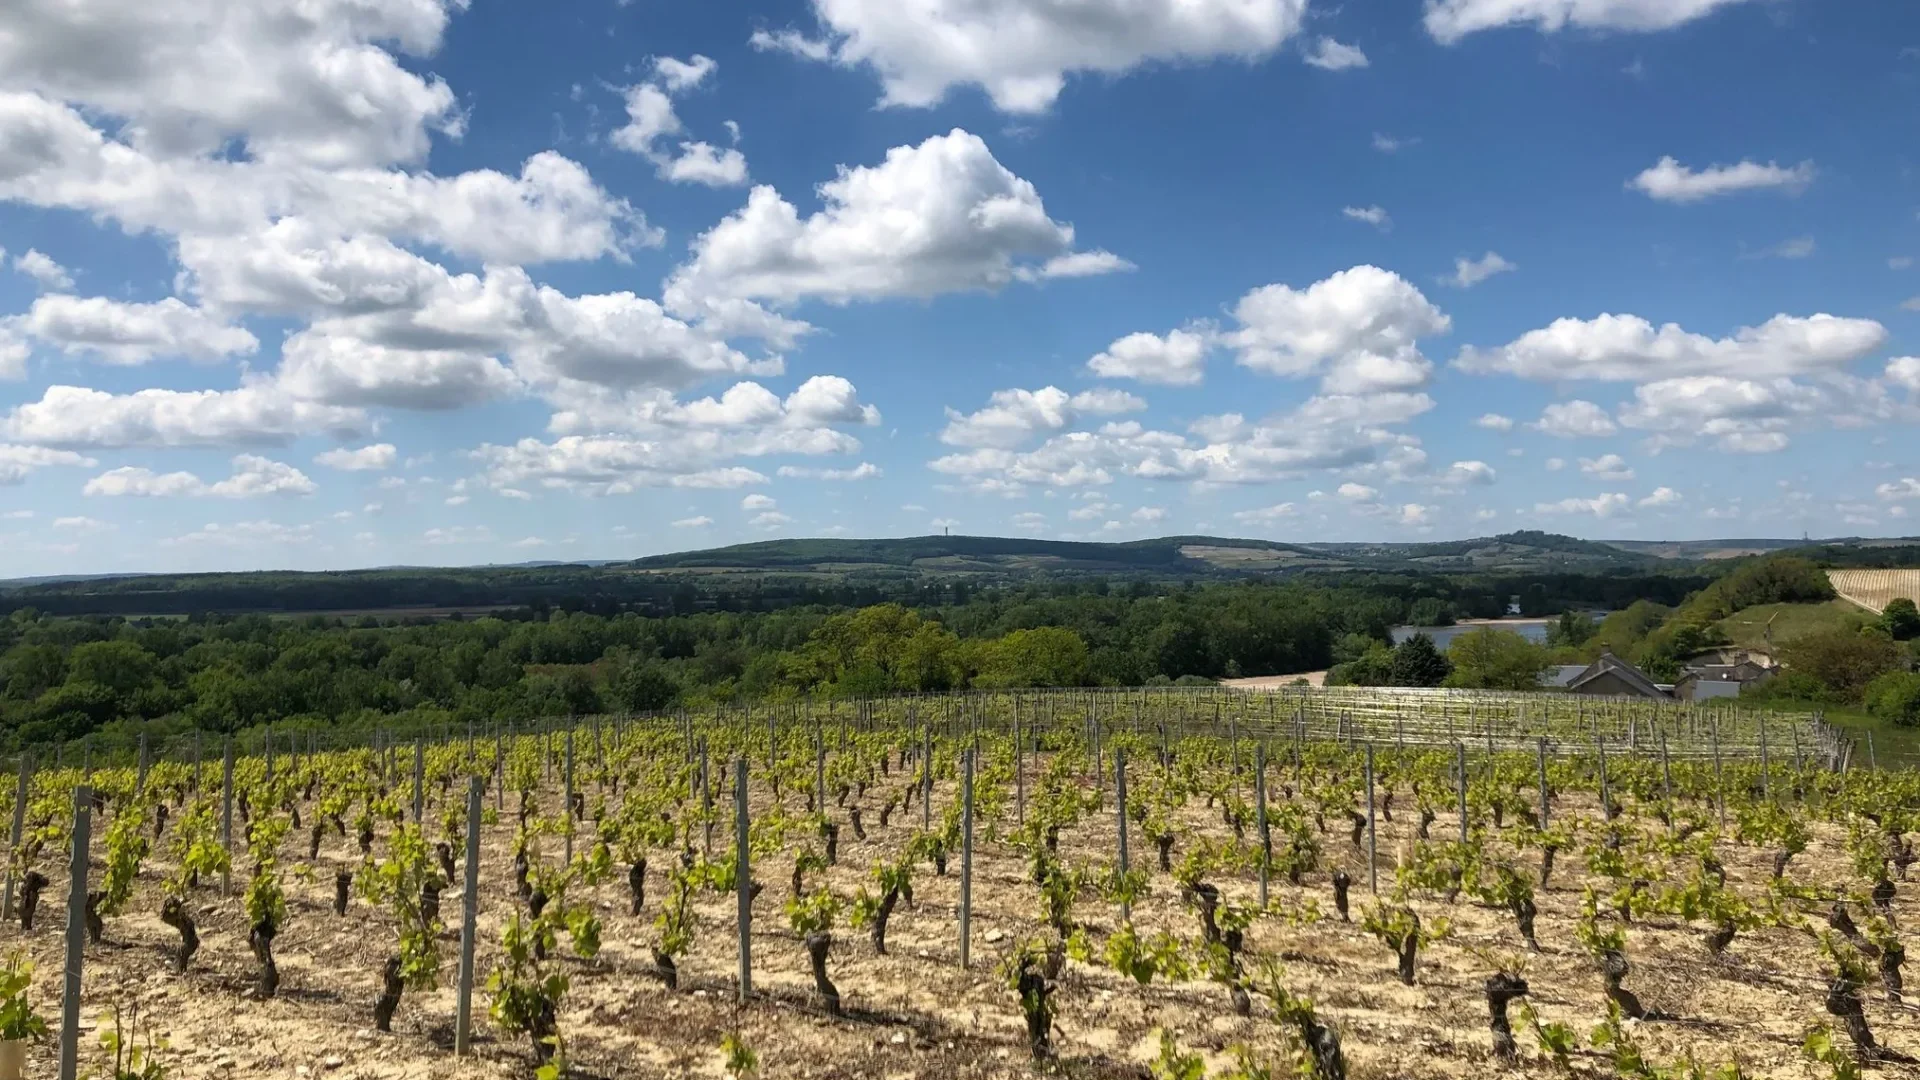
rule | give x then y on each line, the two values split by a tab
1872	589
1748	629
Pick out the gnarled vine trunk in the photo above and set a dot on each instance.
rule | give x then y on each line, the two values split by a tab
389	1000
1206	896
1524	913
1502	989
1891	958
637	884
175	914
1034	991
260	940
818	946
30	888
1614	970
880	916
668	971
1409	951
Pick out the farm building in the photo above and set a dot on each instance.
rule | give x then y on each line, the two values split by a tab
1703	681
1560	676
1610	676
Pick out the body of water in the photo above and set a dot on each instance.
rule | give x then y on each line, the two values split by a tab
1532	629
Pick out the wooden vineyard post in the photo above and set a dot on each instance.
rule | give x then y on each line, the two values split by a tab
1719	780
966	863
1460	757
1099	769
19	829
1666	778
1120	795
1766	766
1373	850
469	921
226	812
1019	768
926	779
1542	749
820	773
742	875
419	777
1260	817
569	809
706	793
1606	799
76	933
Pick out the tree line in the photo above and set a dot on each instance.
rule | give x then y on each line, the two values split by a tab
66	677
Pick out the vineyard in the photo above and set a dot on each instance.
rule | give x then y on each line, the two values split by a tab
1872	589
1177	884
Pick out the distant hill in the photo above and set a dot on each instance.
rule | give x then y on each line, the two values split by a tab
1174	555
1709	550
834	572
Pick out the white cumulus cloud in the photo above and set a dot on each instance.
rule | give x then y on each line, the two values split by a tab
253	477
1600	506
1372	215
40	267
1178	359
1330	55
1358	329
1607	467
1450	20
1575	420
1670	181
377	457
942	216
1012	417
1021	51
1470	272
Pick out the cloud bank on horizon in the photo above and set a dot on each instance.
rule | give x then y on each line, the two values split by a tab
349	290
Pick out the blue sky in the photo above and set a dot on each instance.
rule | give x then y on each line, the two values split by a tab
423	282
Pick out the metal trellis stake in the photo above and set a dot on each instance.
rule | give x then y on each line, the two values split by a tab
76	933
743	877
966	863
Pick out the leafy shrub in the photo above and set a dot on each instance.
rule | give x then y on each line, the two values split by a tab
1895	698
1843	659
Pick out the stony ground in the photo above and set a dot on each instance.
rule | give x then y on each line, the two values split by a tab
916	1012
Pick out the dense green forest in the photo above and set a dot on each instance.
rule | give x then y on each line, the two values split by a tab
573	640
64	677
